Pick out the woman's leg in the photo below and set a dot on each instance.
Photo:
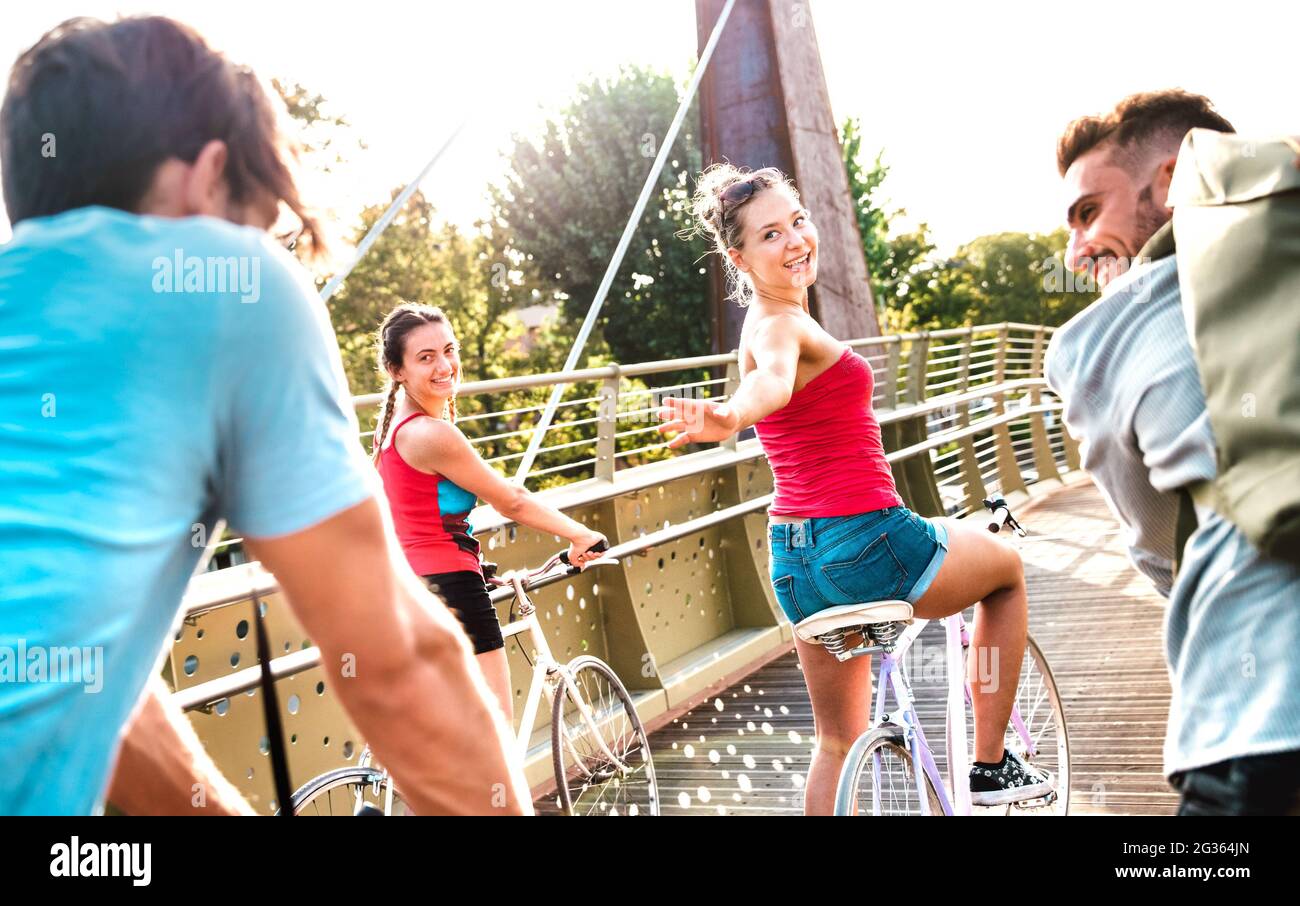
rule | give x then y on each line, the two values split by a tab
841	702
979	567
466	596
496	669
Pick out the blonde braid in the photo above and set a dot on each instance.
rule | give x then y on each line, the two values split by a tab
451	408
389	405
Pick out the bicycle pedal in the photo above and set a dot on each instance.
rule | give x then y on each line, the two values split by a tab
1040	802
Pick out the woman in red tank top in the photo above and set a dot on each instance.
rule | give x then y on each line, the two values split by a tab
433	478
840	533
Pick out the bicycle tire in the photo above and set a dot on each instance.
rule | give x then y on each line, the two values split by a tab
320	789
857	778
1057	761
629	744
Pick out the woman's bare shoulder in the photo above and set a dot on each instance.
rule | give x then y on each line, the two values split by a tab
761	326
425	442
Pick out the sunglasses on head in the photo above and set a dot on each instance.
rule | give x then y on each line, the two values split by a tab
739	193
736	193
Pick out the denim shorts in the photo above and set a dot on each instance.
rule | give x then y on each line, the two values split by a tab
884	555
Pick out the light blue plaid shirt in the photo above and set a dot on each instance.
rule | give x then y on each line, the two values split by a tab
1133	398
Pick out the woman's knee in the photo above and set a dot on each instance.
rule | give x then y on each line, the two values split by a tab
836	745
1015	566
1010	568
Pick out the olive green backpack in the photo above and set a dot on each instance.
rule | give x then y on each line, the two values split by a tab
1237	227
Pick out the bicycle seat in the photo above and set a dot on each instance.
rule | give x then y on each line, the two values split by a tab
832	618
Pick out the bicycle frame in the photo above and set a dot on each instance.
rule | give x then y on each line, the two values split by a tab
890	678
547	674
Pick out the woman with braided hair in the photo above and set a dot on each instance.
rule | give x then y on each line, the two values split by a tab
433	478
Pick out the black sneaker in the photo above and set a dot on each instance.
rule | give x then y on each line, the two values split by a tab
1010	780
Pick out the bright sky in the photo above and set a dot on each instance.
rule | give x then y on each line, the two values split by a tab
966	99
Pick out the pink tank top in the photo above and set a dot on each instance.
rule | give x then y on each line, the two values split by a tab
824	447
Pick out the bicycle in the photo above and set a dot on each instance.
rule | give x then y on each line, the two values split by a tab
599	748
890	769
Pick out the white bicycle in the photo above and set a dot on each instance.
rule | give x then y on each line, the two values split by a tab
599	748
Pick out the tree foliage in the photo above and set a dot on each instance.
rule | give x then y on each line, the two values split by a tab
421	259
565	199
323	133
1000	277
893	259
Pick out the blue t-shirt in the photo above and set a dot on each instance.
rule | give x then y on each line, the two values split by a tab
156	374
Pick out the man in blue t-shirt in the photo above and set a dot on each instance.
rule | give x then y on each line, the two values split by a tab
165	364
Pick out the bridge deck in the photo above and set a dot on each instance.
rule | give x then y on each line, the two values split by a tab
745	750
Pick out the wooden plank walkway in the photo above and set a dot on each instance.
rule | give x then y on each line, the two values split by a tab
1099	622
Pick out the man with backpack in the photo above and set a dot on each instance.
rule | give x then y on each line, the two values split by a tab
1127	372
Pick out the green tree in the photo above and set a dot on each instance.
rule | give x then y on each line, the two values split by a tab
893	261
479	278
1000	277
420	259
322	132
567	195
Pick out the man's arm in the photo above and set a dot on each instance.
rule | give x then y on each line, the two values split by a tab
400	664
162	768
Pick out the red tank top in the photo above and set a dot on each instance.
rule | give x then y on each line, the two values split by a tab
824	446
430	513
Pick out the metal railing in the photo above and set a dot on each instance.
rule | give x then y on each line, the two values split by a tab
607	423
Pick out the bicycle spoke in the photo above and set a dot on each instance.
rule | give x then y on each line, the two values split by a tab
1048	725
604	754
1029	721
1040	709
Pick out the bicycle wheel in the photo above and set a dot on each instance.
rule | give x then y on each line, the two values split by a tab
1039	705
877	778
588	780
347	791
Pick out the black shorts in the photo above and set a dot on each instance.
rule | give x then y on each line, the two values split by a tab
466	594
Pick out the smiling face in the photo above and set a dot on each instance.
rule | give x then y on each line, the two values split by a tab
430	371
1111	212
778	244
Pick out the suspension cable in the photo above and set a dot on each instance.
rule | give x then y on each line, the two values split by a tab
535	442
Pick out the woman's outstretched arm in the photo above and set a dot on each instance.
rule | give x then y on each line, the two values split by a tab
775	347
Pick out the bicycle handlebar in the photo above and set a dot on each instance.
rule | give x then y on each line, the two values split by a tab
545	569
1002	517
598	547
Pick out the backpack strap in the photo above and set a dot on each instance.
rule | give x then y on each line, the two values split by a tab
1184	527
271	712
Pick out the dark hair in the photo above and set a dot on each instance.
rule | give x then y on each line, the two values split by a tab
719	221
117	100
1136	124
390	348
